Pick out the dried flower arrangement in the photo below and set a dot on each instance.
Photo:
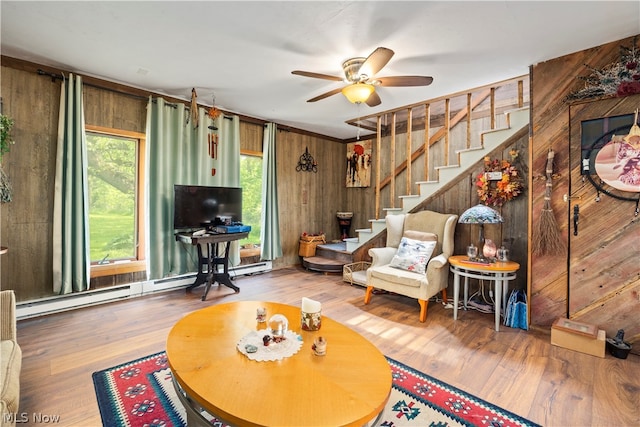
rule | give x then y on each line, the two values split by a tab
496	193
620	78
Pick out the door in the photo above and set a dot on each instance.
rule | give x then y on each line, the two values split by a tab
604	224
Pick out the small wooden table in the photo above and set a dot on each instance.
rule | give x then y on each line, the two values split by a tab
350	385
500	273
212	260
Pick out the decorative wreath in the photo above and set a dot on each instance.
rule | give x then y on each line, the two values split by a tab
497	192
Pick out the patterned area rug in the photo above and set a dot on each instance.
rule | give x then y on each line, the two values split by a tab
140	393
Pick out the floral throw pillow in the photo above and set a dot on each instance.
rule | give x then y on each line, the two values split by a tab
413	255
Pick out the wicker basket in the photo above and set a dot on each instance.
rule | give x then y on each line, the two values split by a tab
313	239
308	244
355	273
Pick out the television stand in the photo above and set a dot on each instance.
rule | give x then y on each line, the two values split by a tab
212	260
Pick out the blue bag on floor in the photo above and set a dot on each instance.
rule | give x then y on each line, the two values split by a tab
516	314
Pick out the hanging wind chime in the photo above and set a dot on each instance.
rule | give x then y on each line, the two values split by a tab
212	137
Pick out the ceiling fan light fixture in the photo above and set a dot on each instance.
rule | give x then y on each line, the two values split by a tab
358	92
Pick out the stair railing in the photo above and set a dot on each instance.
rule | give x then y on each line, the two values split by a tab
502	96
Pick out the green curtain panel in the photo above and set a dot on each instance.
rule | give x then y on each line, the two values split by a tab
270	235
71	259
179	154
228	167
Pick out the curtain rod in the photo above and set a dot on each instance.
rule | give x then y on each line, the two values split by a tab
243	118
55	77
52	75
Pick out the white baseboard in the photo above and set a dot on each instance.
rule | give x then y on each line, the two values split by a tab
59	303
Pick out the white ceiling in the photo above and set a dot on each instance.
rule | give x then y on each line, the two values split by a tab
243	52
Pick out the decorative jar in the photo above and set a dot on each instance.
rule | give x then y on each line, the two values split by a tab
503	254
278	325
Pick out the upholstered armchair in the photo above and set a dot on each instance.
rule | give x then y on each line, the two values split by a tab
415	261
10	360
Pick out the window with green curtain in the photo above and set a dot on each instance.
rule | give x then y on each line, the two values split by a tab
251	183
113	170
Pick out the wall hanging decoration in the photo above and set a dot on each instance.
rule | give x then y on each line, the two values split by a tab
307	163
500	181
620	78
213	112
212	141
547	237
194	108
611	157
358	164
212	137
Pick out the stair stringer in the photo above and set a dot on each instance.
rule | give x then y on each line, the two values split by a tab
490	140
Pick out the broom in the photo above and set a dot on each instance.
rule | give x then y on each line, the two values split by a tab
547	237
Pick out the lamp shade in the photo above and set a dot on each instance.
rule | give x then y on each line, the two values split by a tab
480	214
358	92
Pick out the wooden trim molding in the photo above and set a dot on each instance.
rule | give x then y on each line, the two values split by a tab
114	268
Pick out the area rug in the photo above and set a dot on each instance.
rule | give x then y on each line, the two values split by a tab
140	393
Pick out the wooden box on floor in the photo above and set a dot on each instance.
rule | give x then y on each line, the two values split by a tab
578	336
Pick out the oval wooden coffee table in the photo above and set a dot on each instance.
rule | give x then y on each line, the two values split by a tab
350	385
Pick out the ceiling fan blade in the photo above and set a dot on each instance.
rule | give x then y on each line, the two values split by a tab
373	100
376	61
325	95
317	75
405	81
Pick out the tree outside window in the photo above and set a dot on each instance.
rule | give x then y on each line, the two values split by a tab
114	211
251	183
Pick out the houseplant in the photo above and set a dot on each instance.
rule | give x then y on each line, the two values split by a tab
6	140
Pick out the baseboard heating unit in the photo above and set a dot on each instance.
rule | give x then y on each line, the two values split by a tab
247	269
55	304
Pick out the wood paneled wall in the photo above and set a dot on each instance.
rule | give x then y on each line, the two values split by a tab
458	196
26	222
308	201
462	194
551	82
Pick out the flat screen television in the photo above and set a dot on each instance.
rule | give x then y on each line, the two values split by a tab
198	206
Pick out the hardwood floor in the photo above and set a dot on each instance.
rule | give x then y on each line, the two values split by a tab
515	369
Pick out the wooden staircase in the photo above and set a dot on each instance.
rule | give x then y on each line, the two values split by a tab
331	257
466	159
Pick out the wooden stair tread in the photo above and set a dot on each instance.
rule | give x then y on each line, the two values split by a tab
326	265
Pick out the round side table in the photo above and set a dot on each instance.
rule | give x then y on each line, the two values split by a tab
500	273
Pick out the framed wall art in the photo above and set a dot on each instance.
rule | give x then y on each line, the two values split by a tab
358	163
611	155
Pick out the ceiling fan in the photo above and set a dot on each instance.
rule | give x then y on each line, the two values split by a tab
359	73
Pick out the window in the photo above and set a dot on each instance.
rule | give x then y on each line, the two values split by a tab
115	175
251	183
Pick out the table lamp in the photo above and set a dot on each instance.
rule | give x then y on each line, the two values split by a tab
480	214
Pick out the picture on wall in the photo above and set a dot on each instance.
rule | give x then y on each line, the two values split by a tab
611	151
358	164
